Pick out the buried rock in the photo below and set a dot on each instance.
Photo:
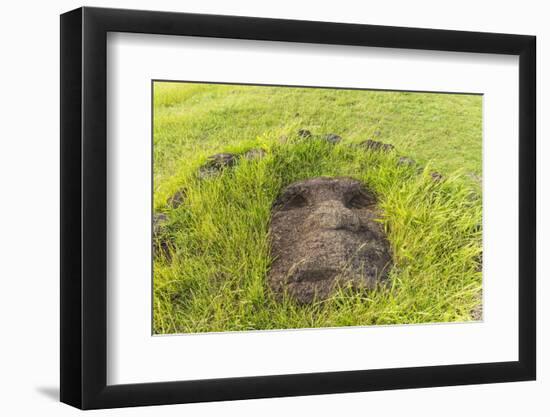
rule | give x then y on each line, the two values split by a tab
406	161
221	160
437	176
216	163
324	234
304	133
161	244
178	198
256	153
377	146
158	220
162	247
333	138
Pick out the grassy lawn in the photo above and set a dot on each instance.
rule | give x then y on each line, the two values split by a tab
214	279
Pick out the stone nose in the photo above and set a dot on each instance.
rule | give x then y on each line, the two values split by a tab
333	214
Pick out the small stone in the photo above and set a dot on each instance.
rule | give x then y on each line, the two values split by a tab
257	153
333	138
377	133
304	133
406	161
377	146
436	176
178	198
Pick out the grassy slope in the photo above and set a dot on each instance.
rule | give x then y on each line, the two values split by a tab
216	279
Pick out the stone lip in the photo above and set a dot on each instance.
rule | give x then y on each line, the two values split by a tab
304	133
376	146
333	138
221	160
255	153
158	220
178	198
161	243
406	161
324	233
437	176
216	163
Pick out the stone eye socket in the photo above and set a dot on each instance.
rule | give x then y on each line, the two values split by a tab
291	201
359	200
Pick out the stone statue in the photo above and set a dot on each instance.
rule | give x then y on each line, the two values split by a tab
324	233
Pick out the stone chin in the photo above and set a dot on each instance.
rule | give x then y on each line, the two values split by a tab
324	234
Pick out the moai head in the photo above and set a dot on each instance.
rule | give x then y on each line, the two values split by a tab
324	233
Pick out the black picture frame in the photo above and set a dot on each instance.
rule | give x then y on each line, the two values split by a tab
84	207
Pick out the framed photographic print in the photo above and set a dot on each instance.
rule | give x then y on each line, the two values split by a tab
258	207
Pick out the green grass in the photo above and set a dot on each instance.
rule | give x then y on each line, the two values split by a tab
215	279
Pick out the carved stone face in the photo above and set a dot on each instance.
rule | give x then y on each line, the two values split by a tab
323	233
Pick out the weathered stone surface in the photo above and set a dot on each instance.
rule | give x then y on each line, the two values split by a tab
323	234
333	138
304	133
255	153
216	163
377	146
